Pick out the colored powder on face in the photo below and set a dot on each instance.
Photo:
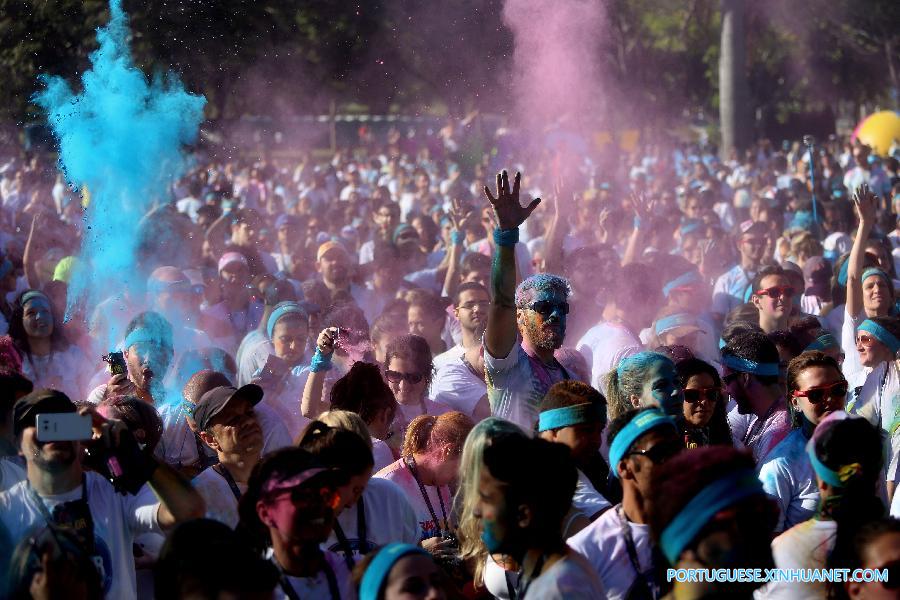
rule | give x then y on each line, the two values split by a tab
490	538
121	139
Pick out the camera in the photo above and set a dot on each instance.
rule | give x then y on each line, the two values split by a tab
125	466
116	362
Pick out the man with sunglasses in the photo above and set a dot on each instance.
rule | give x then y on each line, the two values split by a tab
618	544
520	373
816	389
730	287
750	372
772	295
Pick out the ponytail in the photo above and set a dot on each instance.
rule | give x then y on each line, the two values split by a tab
616	402
418	435
337	448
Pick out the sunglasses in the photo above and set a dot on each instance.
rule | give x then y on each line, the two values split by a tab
397	377
818	394
893	580
776	292
546	308
865	340
661	452
728	379
695	395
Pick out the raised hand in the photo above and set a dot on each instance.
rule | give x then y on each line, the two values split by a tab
508	212
866	204
641	205
602	232
458	215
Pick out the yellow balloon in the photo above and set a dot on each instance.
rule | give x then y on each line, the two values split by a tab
879	131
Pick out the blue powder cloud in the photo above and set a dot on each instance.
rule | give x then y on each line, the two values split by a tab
121	137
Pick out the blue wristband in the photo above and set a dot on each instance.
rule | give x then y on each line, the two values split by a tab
457	237
320	362
506	237
637	222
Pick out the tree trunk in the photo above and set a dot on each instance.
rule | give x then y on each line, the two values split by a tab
733	89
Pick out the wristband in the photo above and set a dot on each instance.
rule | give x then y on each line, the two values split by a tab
506	237
320	362
637	222
457	237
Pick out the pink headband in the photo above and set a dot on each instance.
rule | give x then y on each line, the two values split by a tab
230	257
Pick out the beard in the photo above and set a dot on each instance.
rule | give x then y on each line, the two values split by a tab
543	337
65	456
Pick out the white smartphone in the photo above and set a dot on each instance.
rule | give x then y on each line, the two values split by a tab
63	427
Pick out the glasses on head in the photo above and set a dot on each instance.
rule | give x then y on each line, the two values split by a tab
695	395
818	394
778	291
474	305
545	308
397	377
661	452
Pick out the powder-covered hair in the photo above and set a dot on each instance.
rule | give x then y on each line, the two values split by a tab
427	432
628	379
540	282
344	419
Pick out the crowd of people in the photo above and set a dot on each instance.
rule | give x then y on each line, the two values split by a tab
389	374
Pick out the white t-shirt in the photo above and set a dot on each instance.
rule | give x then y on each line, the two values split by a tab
498	581
178	445
568	579
117	520
603	545
852	364
788	477
67	371
398	473
450	356
382	454
514	387
879	402
604	346
389	518
11	474
804	546
317	587
730	288
457	386
587	500
221	505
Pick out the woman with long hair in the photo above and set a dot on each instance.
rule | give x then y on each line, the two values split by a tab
816	388
408	370
644	379
704	420
48	359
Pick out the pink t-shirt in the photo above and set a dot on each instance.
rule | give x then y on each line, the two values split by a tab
399	473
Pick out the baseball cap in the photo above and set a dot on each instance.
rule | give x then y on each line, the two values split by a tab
817	275
749	227
215	400
405	234
39	401
286	221
328	247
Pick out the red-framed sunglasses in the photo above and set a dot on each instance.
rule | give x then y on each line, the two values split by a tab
777	291
818	394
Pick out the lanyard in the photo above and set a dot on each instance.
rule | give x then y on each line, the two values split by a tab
43	508
631	549
291	593
223	471
411	464
748	437
522	585
74	515
344	543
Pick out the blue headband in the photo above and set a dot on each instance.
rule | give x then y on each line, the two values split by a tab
823	342
644	357
718	495
682	280
639	425
844	272
567	416
376	574
881	334
142	335
675	321
32	295
875	271
282	309
736	363
691	227
722	343
5	267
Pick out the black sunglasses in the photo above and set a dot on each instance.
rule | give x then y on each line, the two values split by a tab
397	377
546	308
661	452
695	395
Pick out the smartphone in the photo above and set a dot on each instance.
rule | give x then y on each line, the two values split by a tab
63	427
116	362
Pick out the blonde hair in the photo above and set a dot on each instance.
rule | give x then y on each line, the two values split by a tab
427	432
344	419
471	549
